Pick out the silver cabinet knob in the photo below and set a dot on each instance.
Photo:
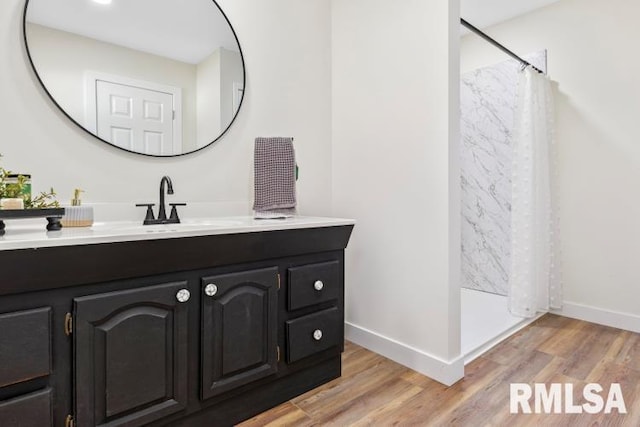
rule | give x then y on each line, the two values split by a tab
317	335
183	295
210	290
318	286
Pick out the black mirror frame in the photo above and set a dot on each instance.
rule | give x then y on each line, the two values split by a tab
244	85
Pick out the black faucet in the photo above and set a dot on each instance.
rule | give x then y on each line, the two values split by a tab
162	212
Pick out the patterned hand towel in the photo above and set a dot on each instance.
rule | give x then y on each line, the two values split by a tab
275	180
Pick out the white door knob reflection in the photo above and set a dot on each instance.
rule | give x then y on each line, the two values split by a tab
317	335
318	286
183	295
211	289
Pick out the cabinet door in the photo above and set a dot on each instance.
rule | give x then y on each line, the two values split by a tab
130	352
239	329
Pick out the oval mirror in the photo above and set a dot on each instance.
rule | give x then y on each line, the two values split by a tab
155	77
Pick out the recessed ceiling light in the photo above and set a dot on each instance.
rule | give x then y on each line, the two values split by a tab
103	1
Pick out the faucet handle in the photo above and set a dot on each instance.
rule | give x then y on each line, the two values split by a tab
149	216
174	212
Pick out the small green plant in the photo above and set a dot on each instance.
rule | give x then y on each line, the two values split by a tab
5	190
13	190
43	200
3	175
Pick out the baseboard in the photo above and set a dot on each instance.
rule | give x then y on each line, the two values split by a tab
615	319
445	372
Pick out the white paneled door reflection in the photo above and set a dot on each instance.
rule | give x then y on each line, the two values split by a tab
135	118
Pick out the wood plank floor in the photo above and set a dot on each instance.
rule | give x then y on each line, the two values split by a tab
374	391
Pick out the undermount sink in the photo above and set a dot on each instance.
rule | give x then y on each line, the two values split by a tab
212	222
190	224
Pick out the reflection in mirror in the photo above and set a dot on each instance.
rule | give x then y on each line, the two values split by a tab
155	77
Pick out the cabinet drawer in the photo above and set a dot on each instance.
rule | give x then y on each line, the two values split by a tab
25	345
313	333
31	410
313	284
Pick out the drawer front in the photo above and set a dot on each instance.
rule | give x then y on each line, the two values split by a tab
314	284
313	333
31	410
25	345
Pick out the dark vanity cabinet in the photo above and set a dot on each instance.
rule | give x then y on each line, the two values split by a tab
130	355
25	357
197	331
313	285
239	329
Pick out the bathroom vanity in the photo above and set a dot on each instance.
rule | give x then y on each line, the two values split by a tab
199	324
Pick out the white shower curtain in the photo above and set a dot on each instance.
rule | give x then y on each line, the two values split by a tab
535	283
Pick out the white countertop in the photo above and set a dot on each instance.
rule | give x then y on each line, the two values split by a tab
32	234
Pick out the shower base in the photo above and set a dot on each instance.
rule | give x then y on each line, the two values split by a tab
485	322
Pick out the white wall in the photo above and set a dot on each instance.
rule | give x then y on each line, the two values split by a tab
395	159
592	48
230	73
288	93
208	98
216	76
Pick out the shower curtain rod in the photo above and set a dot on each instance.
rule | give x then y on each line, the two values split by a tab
498	45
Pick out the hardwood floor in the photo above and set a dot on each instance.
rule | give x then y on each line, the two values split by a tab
374	391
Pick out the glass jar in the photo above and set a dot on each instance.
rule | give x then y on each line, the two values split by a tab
14	179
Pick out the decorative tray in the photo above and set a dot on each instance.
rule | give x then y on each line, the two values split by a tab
53	216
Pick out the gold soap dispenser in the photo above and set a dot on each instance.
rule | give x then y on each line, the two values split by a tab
77	215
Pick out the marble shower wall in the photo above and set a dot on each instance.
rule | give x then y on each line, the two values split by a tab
488	103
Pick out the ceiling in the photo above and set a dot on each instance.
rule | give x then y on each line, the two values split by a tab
193	30
485	13
186	31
